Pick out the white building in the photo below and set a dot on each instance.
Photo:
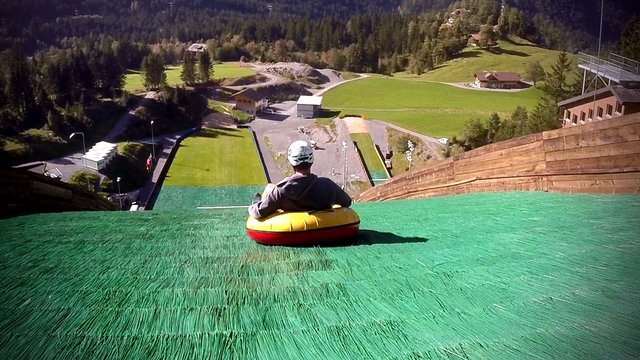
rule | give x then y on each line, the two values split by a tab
309	106
99	156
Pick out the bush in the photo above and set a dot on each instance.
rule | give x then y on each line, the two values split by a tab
129	165
85	179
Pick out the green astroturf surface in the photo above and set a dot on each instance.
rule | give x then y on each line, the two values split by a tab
479	276
190	197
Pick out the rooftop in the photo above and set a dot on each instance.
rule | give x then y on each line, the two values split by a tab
310	100
250	94
623	95
497	75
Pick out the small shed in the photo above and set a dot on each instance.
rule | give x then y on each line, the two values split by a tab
249	100
309	106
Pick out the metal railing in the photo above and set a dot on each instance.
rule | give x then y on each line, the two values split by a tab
617	67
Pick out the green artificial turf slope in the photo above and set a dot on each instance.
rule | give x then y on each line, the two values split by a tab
480	276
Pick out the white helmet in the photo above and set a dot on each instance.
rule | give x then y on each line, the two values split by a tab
300	152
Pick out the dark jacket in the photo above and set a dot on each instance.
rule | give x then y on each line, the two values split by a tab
301	193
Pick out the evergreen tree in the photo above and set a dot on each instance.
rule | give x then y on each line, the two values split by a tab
630	39
153	72
493	127
556	86
205	67
19	90
188	74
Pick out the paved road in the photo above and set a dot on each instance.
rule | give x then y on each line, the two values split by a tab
275	132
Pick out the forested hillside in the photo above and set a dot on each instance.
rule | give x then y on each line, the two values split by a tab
36	24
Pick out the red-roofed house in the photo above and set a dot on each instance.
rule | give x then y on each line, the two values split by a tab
498	80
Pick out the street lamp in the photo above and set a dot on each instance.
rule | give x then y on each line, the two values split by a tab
344	172
153	143
84	146
119	197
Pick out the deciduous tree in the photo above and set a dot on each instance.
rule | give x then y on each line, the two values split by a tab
535	72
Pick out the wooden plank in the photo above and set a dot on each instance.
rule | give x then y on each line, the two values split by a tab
594	126
554	144
614	176
626	148
629	133
501	146
527	149
617	162
51	190
506	166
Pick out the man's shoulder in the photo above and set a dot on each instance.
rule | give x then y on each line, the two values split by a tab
325	181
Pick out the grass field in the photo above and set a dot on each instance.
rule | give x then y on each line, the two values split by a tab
369	154
216	157
133	80
430	108
511	55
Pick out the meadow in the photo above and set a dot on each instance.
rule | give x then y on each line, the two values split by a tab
133	79
216	157
512	55
430	108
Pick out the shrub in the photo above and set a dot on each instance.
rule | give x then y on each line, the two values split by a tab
85	179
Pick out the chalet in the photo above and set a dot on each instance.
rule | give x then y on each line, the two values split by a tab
309	106
497	80
197	47
250	101
606	103
474	40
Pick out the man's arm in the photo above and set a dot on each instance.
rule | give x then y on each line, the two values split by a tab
267	206
342	198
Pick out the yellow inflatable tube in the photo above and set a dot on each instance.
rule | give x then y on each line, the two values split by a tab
304	228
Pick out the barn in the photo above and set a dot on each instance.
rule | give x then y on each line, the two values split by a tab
309	106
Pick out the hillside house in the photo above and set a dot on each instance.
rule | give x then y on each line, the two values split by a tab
610	102
497	80
250	101
309	106
196	47
474	40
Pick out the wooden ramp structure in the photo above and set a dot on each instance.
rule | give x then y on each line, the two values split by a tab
23	192
601	157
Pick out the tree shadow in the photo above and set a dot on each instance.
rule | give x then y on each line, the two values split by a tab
501	51
215	133
470	54
62	161
273	117
326	113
